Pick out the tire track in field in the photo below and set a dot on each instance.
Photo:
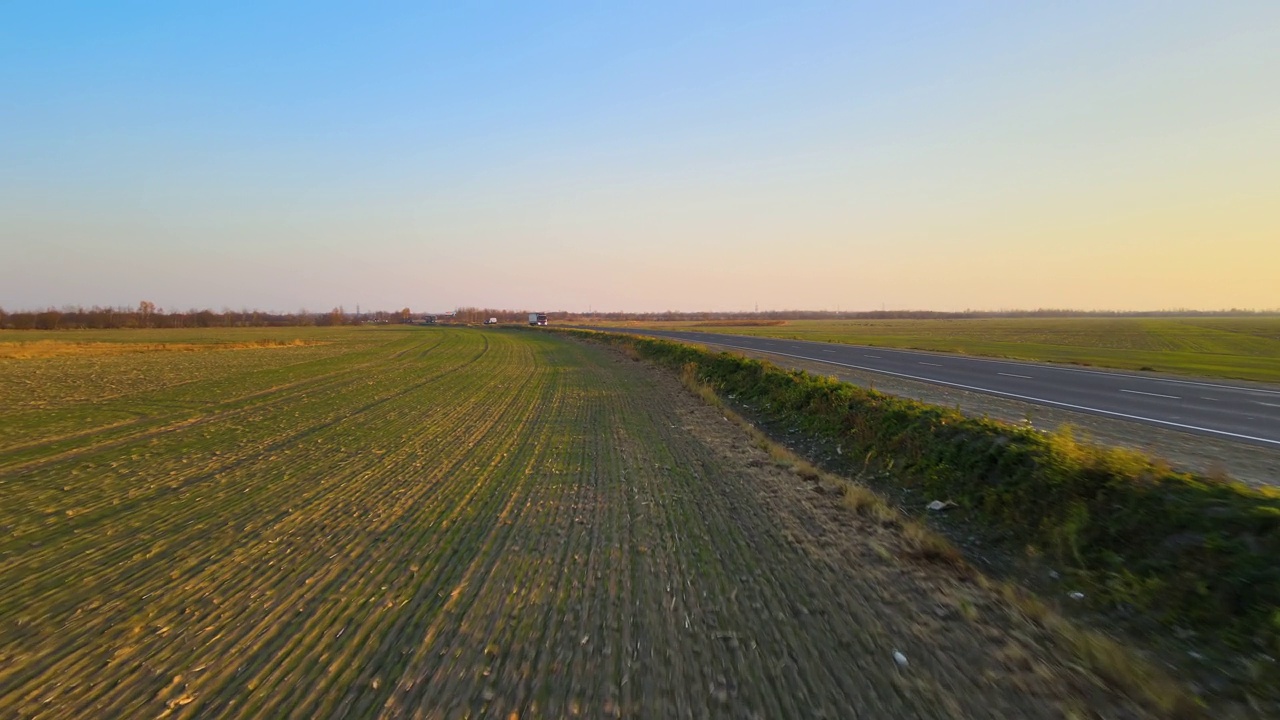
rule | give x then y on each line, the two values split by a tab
472	631
501	436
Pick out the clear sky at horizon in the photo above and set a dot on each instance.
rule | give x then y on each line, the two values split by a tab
708	156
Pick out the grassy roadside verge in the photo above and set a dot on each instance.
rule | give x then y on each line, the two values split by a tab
1106	658
1194	555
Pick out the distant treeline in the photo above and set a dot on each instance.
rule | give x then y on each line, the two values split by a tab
147	315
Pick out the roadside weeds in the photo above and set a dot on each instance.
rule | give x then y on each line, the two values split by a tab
1112	663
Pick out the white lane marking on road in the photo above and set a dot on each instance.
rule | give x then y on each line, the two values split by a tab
933	364
1029	398
1024	377
830	351
1139	392
1208	398
1267	404
1041	366
873	356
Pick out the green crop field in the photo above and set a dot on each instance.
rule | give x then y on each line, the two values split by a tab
434	522
1240	348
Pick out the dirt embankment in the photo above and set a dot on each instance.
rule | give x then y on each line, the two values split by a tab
1214	457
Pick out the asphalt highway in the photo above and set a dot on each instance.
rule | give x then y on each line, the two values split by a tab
1248	413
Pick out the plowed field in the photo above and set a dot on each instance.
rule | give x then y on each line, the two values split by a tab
433	523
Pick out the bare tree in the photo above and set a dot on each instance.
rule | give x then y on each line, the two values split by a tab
146	309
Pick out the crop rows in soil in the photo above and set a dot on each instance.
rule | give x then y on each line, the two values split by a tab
441	523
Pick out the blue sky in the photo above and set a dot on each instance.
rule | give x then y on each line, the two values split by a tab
646	157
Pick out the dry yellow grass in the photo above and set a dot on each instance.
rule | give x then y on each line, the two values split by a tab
928	545
1108	659
42	349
